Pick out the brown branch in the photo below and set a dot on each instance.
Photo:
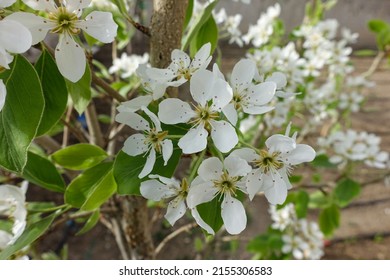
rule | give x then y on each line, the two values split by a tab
144	29
96	136
107	88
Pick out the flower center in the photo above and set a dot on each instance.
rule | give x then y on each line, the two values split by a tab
204	115
268	161
226	184
184	72
155	138
237	99
65	20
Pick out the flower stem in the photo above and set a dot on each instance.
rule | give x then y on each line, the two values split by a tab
196	165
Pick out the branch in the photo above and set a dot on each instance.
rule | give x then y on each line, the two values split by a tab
107	88
375	64
96	136
144	29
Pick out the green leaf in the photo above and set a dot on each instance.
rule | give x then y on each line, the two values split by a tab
91	223
79	156
319	200
322	161
30	234
363	53
54	92
329	219
81	91
211	213
189	12
91	188
198	24
345	191
300	199
377	25
43	173
127	169
207	33
21	115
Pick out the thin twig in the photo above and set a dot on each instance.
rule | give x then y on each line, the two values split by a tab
75	131
144	29
96	136
173	235
65	136
48	143
107	88
375	64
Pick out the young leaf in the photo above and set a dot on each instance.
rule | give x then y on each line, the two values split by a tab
329	219
322	161
346	190
21	115
91	223
189	12
43	173
30	234
92	188
377	25
207	33
79	156
81	91
54	92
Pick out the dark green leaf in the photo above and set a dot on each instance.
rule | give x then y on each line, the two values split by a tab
91	188
81	91
43	173
21	115
198	24
322	161
54	92
30	234
329	219
189	12
345	191
91	223
211	213
208	33
79	156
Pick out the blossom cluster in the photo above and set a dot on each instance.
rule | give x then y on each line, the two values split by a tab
302	238
215	109
355	146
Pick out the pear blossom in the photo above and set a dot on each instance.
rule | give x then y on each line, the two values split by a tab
12	205
181	68
165	188
65	20
229	26
127	65
150	142
273	165
3	92
223	180
211	94
247	96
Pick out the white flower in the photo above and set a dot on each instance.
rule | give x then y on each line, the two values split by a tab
3	93
127	65
165	188
6	3
152	139
247	96
273	165
223	180
12	200
243	1
64	20
212	94
294	245
14	38
282	218
181	68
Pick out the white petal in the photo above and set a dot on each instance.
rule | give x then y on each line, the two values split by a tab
155	190
279	78
195	140
176	210
6	3
153	118
200	87
167	150
278	193
173	111
41	5
257	110
199	194
283	173
233	215
280	143
246	153
254	182
135	145
70	58
202	57
221	93
149	164
14	37
160	75
242	74
261	94
38	26
135	104
210	169
180	58
230	113
76	5
236	166
99	25
224	135
200	221
3	93
217	72
302	153
133	120
5	58
5	239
